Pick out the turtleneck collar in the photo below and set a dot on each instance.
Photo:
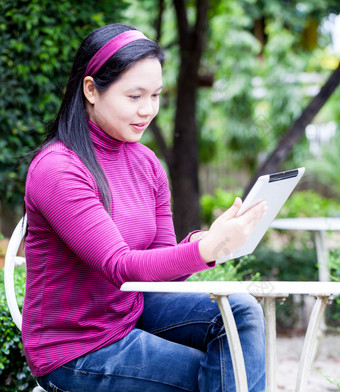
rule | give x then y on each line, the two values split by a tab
106	146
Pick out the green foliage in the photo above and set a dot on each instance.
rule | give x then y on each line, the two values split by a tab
233	270
258	91
213	205
305	204
14	371
323	169
287	264
230	105
309	204
334	264
300	204
333	381
255	96
39	40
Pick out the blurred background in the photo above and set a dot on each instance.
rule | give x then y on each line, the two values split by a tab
250	87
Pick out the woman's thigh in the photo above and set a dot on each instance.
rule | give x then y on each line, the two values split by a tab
139	362
181	318
189	318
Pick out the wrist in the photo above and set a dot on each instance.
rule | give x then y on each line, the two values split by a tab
202	247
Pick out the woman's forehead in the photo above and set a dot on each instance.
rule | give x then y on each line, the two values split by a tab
144	74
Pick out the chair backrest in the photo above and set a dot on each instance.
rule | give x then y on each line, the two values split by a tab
12	260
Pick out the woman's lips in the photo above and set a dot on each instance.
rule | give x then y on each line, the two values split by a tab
140	127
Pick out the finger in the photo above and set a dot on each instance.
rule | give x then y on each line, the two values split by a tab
233	210
255	213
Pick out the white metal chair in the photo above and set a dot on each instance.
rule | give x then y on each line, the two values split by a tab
11	261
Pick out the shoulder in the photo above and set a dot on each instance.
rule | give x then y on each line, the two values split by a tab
56	158
53	156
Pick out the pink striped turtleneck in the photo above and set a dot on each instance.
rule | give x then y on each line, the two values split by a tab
78	255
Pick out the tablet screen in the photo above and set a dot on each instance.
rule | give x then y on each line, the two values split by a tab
275	189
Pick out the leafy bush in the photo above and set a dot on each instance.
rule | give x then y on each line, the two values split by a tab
214	205
309	204
306	203
334	263
233	270
39	40
15	374
287	265
333	311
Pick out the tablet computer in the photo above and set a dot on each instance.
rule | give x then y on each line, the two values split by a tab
274	189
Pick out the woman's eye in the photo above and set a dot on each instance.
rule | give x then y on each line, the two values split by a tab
134	96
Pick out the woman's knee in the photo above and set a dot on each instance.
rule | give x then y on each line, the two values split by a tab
247	309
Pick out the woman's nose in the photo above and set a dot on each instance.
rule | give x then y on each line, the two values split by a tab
146	108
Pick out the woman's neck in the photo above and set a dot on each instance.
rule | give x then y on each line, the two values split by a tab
105	146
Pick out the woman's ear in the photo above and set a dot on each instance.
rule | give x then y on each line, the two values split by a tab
89	89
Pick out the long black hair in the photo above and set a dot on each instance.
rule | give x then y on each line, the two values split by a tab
70	125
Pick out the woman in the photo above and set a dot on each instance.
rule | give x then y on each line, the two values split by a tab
98	208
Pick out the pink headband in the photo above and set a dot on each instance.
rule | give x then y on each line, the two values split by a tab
110	48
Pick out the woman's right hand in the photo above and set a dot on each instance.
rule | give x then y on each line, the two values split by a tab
229	232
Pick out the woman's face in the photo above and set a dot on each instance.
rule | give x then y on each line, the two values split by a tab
127	107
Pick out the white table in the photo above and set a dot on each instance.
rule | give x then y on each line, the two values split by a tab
319	226
269	291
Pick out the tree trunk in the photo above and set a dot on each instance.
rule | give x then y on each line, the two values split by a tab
295	133
184	169
184	166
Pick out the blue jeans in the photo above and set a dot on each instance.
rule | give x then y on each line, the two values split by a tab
178	344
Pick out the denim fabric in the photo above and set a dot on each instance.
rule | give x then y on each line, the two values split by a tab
179	344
